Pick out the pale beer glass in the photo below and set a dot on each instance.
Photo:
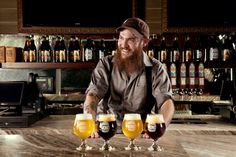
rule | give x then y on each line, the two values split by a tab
154	127
83	128
132	127
106	128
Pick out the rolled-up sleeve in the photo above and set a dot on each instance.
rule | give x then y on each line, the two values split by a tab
99	83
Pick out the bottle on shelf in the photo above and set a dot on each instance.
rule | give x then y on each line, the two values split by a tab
163	50
201	79
183	81
188	54
102	51
174	66
77	50
226	48
192	79
71	49
63	57
26	49
214	51
175	51
199	50
150	47
173	78
56	51
89	50
45	52
32	50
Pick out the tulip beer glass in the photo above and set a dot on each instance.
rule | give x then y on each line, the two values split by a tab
132	127
83	128
106	128
155	127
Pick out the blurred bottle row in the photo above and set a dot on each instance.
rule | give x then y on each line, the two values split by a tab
184	60
60	50
220	47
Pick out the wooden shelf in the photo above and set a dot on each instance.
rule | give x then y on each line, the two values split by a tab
22	65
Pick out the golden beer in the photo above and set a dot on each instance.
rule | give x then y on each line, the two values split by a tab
132	125
83	125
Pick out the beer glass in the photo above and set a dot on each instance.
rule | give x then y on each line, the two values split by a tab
106	128
132	127
83	128
155	127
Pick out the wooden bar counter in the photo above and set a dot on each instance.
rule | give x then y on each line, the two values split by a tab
53	136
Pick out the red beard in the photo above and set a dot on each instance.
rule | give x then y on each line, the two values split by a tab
130	64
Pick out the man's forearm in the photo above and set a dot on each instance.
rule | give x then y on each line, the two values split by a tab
167	109
90	103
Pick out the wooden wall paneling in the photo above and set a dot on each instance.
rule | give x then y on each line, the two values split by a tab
8	17
153	15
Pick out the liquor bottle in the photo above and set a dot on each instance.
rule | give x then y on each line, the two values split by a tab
42	49
227	48
32	50
150	48
62	51
48	51
199	51
175	51
77	50
163	51
102	51
201	79
188	54
174	66
56	51
183	81
214	51
71	49
191	78
26	49
89	49
173	78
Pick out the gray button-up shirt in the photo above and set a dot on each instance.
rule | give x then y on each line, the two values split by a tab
120	94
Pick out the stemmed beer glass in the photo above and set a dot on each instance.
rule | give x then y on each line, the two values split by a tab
106	128
83	128
155	127
132	127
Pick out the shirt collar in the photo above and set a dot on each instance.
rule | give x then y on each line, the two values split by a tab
146	60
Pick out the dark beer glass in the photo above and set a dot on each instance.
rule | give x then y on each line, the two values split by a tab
155	127
106	128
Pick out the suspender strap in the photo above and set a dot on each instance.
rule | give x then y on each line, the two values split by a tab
150	100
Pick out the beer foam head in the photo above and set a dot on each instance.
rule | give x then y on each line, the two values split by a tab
106	117
132	116
155	118
84	116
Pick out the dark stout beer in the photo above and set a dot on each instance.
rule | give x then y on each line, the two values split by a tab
154	126
106	126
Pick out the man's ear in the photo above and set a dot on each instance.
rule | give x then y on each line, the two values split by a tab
145	42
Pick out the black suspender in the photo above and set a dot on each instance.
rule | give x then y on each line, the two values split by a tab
150	100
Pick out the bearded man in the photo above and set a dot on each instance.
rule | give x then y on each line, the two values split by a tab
130	81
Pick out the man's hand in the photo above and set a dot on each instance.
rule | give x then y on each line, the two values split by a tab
94	135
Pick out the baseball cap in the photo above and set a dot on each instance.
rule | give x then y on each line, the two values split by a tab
137	24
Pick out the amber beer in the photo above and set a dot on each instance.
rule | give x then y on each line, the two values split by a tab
132	125
83	125
106	126
154	126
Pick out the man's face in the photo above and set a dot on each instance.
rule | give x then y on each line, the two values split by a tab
129	44
129	54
